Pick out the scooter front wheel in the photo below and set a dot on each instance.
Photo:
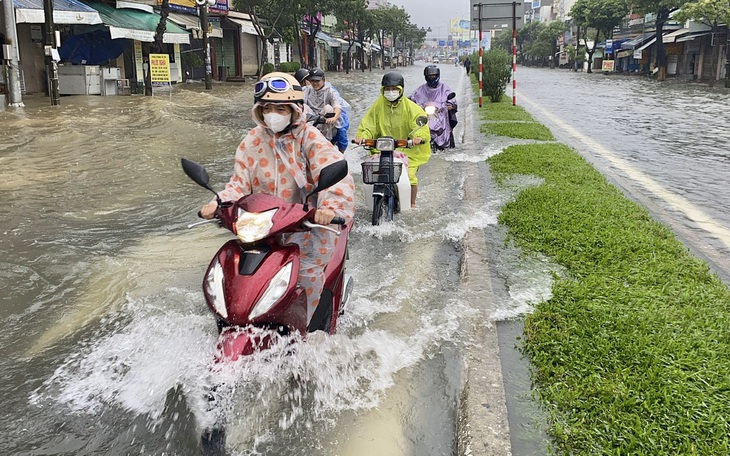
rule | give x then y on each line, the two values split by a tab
380	209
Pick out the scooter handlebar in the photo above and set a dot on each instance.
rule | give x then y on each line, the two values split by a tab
397	143
338	221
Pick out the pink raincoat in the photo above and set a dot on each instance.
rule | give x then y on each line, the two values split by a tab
287	165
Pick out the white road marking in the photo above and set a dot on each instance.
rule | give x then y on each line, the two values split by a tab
697	215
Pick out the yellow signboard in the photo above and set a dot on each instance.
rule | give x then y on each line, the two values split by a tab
607	65
160	67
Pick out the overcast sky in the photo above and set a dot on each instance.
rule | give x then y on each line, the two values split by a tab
436	14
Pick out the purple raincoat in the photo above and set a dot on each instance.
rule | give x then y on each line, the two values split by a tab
439	122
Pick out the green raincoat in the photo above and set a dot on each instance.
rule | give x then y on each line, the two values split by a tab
398	120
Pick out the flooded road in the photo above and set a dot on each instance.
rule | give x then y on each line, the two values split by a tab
667	145
106	341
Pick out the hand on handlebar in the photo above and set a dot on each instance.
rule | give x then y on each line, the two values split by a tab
208	211
417	140
324	216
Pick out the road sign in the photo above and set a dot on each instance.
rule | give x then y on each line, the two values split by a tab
496	15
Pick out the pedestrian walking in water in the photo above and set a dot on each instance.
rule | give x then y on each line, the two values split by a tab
467	65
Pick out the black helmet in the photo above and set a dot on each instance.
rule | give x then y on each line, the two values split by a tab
301	74
432	74
393	79
431	70
316	74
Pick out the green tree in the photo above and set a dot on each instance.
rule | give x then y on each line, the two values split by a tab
496	73
662	9
311	12
712	13
351	16
389	21
599	17
266	16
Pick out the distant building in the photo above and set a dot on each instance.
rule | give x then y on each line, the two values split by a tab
374	4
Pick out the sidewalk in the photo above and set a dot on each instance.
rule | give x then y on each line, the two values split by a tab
483	427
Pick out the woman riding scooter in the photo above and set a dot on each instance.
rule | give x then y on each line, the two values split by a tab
283	156
443	120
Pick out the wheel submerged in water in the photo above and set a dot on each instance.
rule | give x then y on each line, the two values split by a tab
380	209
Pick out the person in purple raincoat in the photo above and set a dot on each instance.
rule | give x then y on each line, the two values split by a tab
435	93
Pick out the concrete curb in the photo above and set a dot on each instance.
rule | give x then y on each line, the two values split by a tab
483	426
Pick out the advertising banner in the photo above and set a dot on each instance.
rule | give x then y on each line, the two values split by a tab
459	27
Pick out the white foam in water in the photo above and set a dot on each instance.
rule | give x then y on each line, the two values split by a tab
484	154
453	227
137	365
166	346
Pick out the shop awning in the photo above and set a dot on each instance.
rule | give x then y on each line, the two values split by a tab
646	45
328	40
689	33
672	37
192	23
246	26
637	41
64	12
138	25
692	36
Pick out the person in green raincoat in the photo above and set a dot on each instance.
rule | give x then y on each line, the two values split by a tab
394	115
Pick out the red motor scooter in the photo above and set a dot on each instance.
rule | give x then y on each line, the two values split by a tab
251	284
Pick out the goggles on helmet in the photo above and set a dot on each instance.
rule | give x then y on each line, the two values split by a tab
276	84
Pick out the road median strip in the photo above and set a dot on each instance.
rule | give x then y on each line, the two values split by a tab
630	354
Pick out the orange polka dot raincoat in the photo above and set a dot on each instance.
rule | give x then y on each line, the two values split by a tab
287	165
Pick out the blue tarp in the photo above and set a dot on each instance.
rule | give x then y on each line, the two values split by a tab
95	48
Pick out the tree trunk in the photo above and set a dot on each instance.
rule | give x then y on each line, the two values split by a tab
715	63
156	46
661	53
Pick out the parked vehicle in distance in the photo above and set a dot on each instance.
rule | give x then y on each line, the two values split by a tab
435	60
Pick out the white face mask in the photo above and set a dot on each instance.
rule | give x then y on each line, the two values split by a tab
277	122
391	95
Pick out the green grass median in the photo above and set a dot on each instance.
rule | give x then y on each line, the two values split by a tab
631	354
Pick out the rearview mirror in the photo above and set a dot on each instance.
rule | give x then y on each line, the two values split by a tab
331	174
195	172
452	95
328	176
421	120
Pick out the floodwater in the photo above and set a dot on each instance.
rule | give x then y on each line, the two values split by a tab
107	343
666	144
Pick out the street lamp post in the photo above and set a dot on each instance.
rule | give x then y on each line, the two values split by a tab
204	5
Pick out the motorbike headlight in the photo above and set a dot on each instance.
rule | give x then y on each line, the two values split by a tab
430	110
276	289
385	144
214	288
252	226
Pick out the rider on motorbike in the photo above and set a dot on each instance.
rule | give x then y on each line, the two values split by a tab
394	115
343	123
283	156
443	121
323	98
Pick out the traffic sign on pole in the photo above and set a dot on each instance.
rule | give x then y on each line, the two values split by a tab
496	14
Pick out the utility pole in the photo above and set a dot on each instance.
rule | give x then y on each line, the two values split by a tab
51	65
10	55
481	54
203	5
